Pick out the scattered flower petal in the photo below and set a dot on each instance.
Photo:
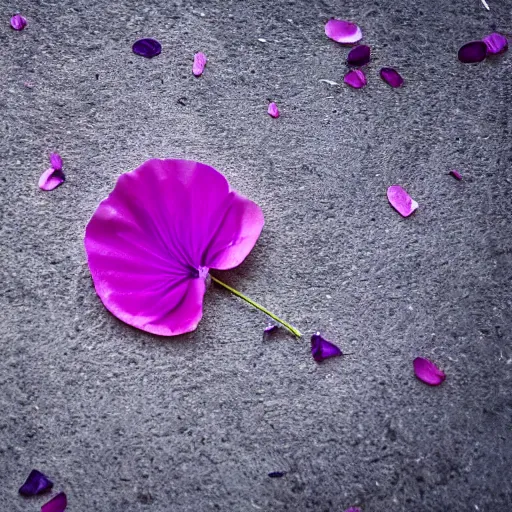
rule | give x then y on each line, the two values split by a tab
355	78
322	349
273	111
342	31
392	77
56	504
401	201
456	174
36	483
269	330
496	43
199	63
147	48
353	509
151	243
330	82
476	51
51	178
486	5
277	474
18	22
428	372
56	161
359	55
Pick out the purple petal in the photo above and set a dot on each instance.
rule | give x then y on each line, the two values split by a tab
51	178
391	77
273	111
147	48
476	51
355	78
277	474
269	330
56	161
428	372
322	349
36	483
353	509
56	504
359	56
496	43
456	174
342	31
401	201
18	22
199	63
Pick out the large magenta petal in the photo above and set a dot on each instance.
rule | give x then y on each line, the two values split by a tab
56	504
50	179
343	31
428	372
496	43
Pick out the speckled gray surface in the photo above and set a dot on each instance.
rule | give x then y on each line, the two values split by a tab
124	421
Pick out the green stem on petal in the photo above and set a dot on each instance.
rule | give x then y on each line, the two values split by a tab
292	329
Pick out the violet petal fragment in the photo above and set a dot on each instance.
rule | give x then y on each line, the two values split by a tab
56	161
392	77
36	483
322	349
147	48
401	201
359	56
273	111
56	504
456	174
269	330
51	178
199	63
342	31
428	372
496	43
355	78
18	22
277	474
475	51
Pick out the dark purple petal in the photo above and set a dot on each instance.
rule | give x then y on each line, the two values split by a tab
342	31
476	51
269	330
496	43
36	483
51	178
199	63
147	48
56	161
18	22
456	174
277	474
273	111
322	349
56	504
428	372
401	201
355	78
359	56
391	77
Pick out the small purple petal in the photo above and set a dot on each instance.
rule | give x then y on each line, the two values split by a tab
428	372
56	161
36	483
359	56
269	330
147	48
496	43
476	51
456	174
56	504
51	178
273	111
401	201
277	474
342	31
18	22
392	77
355	78
322	349
199	63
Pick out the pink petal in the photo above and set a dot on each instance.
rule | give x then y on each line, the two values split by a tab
456	174
428	372
56	504
50	179
496	43
343	31
56	161
18	22
355	78
151	243
273	111
392	77
401	201
199	63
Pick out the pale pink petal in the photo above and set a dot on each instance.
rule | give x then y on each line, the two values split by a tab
401	201
342	31
355	78
428	372
273	111
199	63
50	179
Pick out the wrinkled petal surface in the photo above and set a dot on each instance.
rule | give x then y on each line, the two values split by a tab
496	43
199	64
428	372
147	48
342	31
51	178
322	349
392	77
56	161
273	111
56	504
151	242
36	483
476	51
359	56
18	22
401	201
355	78
456	174
277	474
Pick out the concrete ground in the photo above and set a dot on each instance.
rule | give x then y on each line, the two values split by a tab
123	421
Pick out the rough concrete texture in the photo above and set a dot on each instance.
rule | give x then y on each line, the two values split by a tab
124	421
